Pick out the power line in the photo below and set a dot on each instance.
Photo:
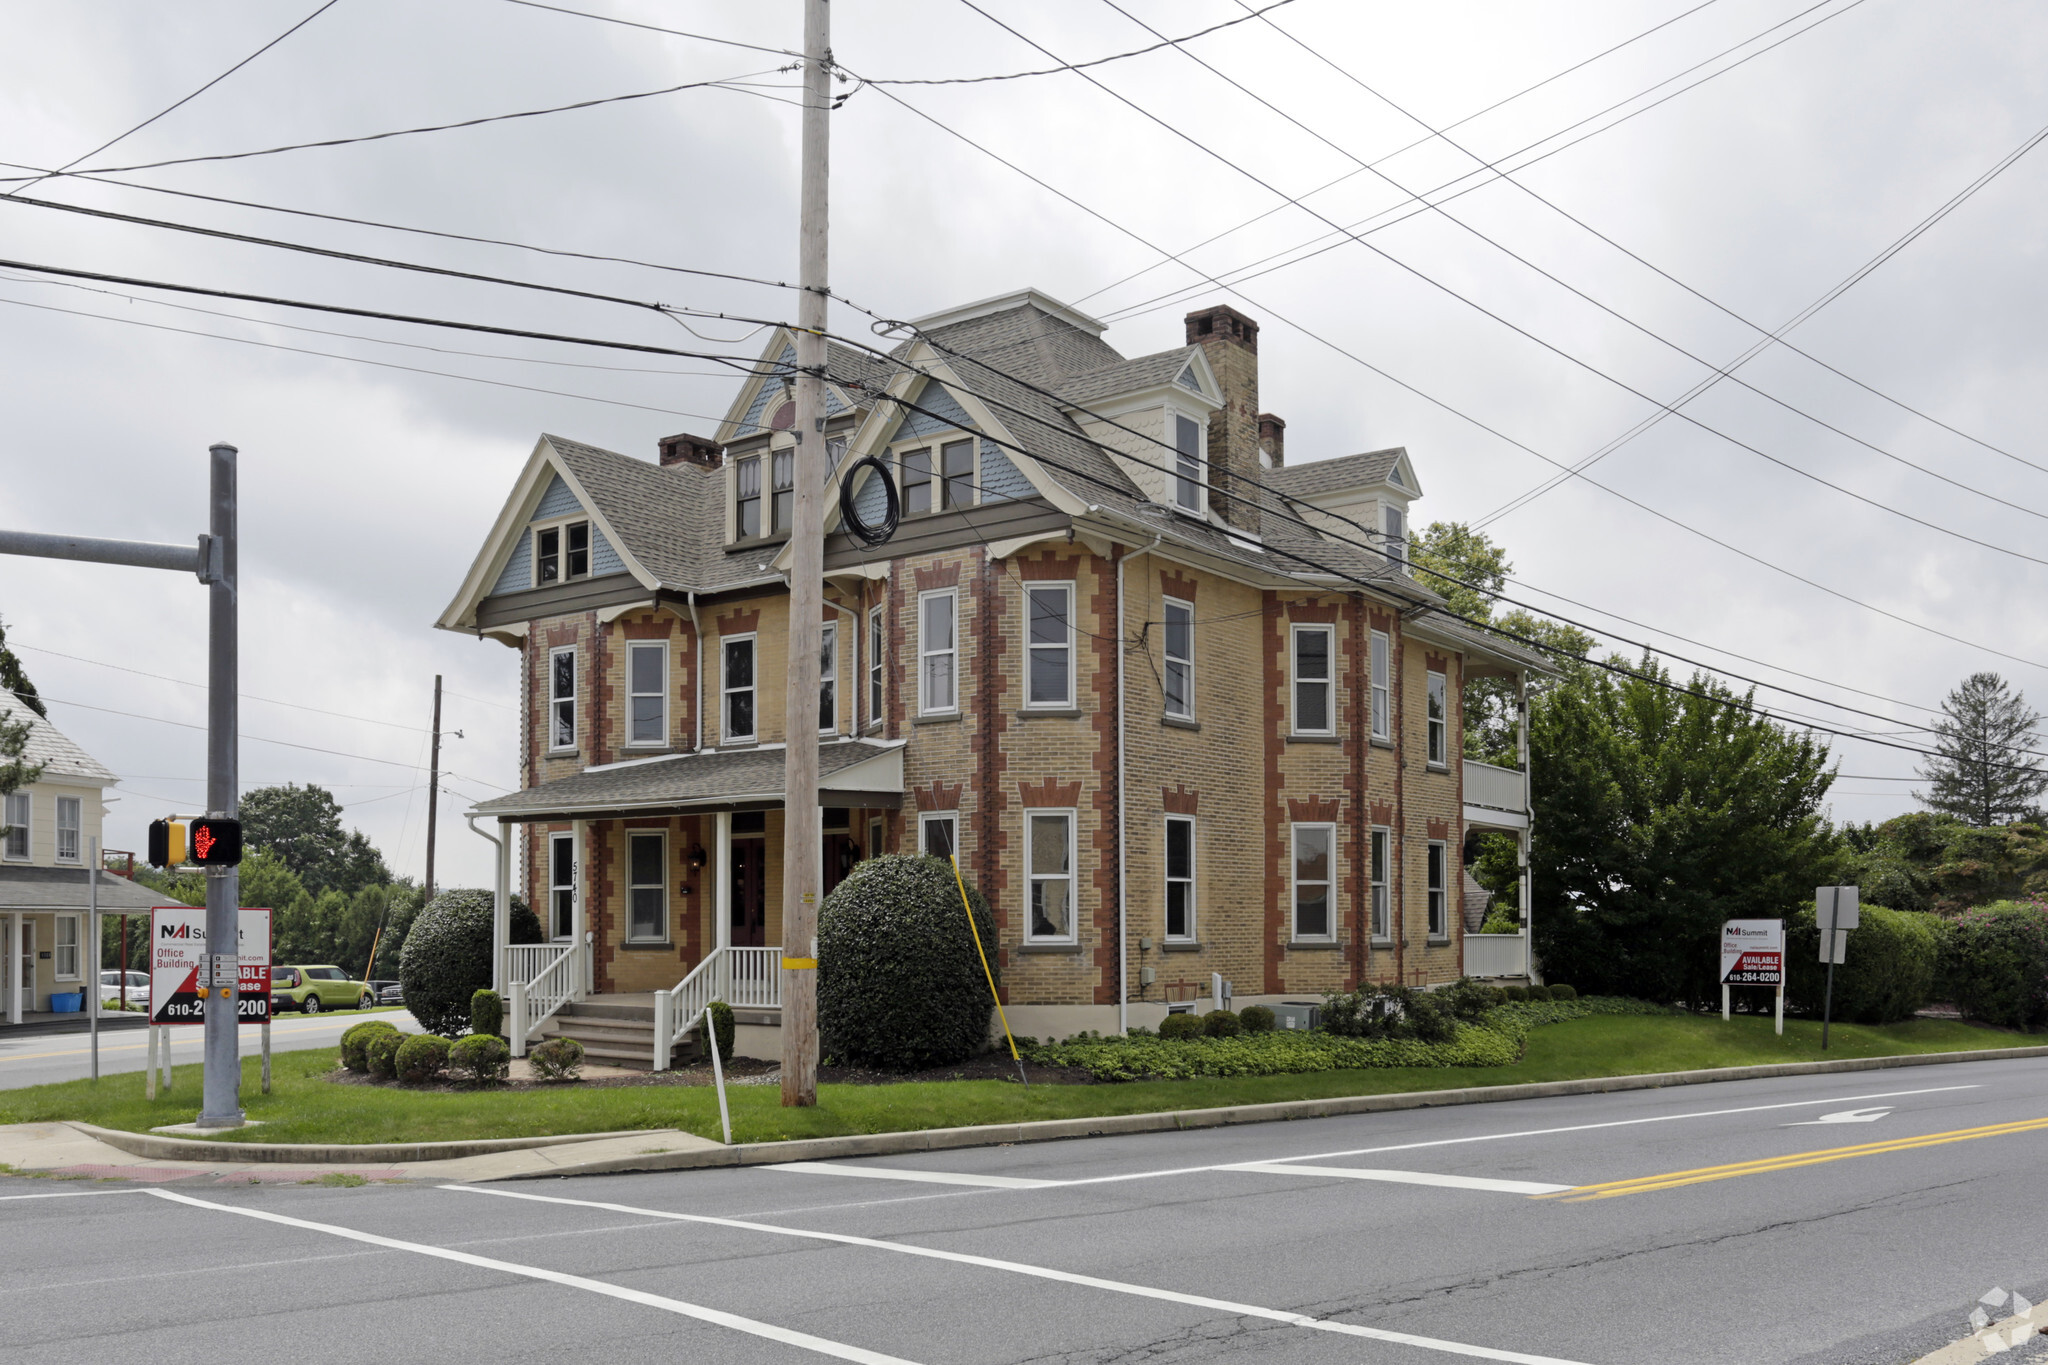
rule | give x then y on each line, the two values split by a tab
1079	66
260	739
656	28
182	682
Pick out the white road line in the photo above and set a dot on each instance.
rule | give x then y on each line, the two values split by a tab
1245	1310
993	1182
714	1316
69	1194
1452	1182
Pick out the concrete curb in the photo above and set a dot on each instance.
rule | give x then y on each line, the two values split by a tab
157	1147
1052	1130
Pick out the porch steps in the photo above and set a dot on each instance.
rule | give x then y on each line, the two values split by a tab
616	1035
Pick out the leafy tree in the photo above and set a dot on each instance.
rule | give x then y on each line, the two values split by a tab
16	692
302	825
1666	812
1983	773
1926	861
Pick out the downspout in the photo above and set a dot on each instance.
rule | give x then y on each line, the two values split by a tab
1123	868
697	647
501	905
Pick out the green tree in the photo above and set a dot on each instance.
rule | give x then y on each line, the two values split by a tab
302	825
16	693
1928	861
1983	772
1665	812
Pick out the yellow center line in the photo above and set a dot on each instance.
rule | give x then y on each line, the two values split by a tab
1763	1165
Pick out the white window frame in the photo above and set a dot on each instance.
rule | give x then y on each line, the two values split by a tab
1068	702
1380	869
875	836
1072	876
1295	681
951	653
634	650
949	818
1438	872
1382	664
877	633
561	532
828	678
19	831
1185	664
561	882
1437	747
633	888
1295	883
759	462
1394	533
1182	482
76	830
76	924
726	692
1189	930
556	702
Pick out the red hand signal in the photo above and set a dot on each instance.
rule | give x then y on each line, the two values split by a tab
202	842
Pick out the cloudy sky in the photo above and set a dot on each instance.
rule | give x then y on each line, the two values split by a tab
1752	155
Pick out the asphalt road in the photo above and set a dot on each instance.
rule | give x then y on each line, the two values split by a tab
1390	1239
41	1058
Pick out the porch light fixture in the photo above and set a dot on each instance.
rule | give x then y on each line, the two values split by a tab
696	858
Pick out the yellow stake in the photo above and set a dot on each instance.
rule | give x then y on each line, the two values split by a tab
975	930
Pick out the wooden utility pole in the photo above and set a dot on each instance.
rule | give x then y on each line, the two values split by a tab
433	792
800	826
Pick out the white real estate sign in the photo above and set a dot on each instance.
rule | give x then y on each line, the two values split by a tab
1753	952
178	966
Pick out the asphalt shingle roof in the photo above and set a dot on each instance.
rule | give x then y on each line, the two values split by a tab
52	748
706	779
1330	476
63	888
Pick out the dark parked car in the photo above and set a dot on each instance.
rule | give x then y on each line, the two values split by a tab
390	993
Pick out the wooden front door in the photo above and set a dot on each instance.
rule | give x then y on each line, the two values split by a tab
840	853
749	893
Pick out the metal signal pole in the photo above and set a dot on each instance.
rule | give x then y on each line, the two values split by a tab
220	1104
800	829
433	790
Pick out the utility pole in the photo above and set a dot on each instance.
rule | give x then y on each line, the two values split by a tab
433	790
800	828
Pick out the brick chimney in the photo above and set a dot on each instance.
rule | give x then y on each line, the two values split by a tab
1273	440
696	450
1231	341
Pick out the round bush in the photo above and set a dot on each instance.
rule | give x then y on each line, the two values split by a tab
1996	963
487	1012
722	1028
420	1058
1515	995
382	1053
358	1037
480	1057
1563	993
447	956
1256	1019
900	985
1222	1024
1540	993
558	1059
1180	1026
1889	971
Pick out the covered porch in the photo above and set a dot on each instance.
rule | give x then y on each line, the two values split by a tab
658	885
49	944
1497	801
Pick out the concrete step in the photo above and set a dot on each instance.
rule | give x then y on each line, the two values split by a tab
598	1009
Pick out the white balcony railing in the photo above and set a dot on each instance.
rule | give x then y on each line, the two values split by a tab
1494	787
1496	954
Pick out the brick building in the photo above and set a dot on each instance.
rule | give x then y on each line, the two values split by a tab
1263	787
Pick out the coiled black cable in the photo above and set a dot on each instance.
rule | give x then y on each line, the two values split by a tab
849	516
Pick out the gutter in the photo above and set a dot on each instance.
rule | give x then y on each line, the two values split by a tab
1123	862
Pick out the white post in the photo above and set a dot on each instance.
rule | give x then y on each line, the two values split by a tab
14	965
664	1033
90	974
717	1072
515	1016
1781	1006
1724	1002
165	1054
721	899
149	1076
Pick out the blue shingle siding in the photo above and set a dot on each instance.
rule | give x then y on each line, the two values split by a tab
1187	380
1000	478
948	415
558	501
751	423
869	502
603	558
518	573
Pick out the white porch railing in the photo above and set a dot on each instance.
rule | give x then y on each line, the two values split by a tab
1496	954
747	978
540	978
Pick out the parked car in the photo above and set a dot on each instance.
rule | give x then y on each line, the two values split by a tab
316	988
138	987
392	994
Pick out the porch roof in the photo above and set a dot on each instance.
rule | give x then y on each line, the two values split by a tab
63	888
855	772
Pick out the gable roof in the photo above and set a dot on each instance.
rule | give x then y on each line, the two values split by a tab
1128	376
1323	477
60	757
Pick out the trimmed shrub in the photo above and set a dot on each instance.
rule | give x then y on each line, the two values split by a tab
358	1037
1540	994
1563	993
1469	1000
382	1053
1222	1024
1256	1019
1996	963
1889	972
487	1013
1178	1026
558	1059
900	985
1515	995
420	1058
1389	1011
722	1028
447	956
480	1057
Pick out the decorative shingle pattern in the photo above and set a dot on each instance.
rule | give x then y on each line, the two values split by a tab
55	751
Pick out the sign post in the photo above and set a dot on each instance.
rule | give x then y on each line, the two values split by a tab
1753	954
1836	911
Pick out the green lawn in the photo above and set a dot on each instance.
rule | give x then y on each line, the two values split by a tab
305	1108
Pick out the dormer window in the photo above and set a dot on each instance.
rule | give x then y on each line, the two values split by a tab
784	506
561	553
747	473
1394	527
930	487
1187	464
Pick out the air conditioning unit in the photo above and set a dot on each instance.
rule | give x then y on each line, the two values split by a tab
1298	1015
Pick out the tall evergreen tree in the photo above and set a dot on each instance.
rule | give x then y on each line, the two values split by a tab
1983	773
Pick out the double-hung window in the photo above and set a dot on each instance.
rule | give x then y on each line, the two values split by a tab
1314	711
1439	890
64	957
938	653
561	553
874	665
1180	878
917	481
1382	665
647	887
647	691
562	698
747	491
783	508
956	467
875	836
1049	854
1180	659
1439	721
828	678
1382	900
1314	874
15	844
938	833
935	482
739	687
70	837
1049	644
561	886
1394	528
1187	464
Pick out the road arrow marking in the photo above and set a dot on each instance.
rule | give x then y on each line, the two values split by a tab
1843	1116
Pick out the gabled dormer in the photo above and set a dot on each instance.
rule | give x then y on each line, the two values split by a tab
1152	413
1360	498
759	436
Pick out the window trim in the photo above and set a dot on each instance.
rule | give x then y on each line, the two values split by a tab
1070	700
1294	883
1380	878
739	525
1072	876
633	888
952	651
57	972
557	865
26	828
1296	629
949	818
1168	606
877	641
660	650
1436	746
772	492
1200	482
752	640
876	835
560	525
1191	930
1438	859
828	676
77	831
934	444
574	700
1395	542
1380	661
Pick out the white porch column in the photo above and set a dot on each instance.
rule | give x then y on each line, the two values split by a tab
14	968
721	901
579	913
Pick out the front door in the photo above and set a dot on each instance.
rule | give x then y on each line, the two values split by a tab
23	979
840	853
749	893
